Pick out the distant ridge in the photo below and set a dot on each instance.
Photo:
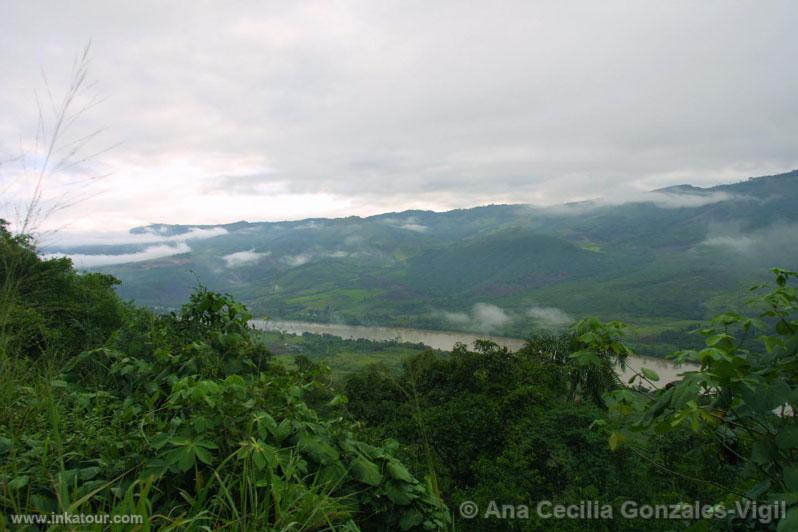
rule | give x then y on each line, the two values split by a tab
752	183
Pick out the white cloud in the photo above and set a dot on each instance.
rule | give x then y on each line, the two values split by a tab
483	317
150	253
354	240
151	236
458	318
550	317
677	201
418	228
304	258
773	242
243	258
297	260
310	225
487	317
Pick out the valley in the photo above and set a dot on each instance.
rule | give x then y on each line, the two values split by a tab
661	262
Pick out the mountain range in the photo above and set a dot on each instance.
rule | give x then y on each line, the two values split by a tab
662	262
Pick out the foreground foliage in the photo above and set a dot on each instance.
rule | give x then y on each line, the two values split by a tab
518	428
183	419
742	397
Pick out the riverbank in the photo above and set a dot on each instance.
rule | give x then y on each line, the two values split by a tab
445	340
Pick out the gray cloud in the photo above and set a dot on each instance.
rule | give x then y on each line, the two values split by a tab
304	258
67	239
297	260
483	317
488	317
291	110
243	258
417	228
150	253
773	242
675	201
550	317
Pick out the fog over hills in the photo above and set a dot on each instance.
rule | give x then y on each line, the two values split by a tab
660	262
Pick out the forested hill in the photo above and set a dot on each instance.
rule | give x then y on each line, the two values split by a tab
660	261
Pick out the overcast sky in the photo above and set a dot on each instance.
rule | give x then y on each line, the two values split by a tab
264	111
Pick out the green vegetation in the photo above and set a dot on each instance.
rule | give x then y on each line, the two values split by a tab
181	418
192	421
340	355
743	398
660	266
519	428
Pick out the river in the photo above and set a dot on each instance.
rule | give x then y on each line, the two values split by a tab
444	340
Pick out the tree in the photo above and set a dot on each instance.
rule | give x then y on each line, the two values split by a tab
743	397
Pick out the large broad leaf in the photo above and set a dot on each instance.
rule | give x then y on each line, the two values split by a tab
398	495
187	451
650	374
398	471
411	519
283	430
317	449
366	472
18	482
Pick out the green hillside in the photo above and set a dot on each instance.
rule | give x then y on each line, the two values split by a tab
660	262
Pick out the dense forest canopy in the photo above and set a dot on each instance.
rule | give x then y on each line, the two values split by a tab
187	419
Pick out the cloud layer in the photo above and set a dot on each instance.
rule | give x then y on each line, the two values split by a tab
243	258
776	242
150	253
293	110
485	317
102	238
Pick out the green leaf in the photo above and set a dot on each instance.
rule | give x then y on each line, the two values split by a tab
181	458
713	353
757	491
398	471
398	495
366	472
159	440
411	519
18	482
281	431
318	450
722	341
200	442
203	455
649	374
339	399
88	473
616	440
